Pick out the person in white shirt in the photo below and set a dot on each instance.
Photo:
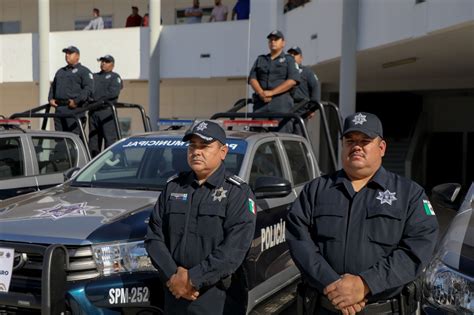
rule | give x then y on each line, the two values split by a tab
97	23
219	12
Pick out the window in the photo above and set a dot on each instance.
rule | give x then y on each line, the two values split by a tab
11	158
266	162
55	155
10	27
300	162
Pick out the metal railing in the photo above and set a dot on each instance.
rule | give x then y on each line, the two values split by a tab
299	113
44	111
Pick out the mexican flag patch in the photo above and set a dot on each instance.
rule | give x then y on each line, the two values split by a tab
428	208
252	207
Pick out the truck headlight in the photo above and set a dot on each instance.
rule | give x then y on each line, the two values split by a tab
121	257
449	289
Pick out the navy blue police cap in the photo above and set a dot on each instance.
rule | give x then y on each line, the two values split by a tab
295	49
71	49
366	123
277	34
108	58
207	130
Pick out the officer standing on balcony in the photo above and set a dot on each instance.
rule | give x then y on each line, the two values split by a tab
201	229
361	235
273	76
71	89
101	122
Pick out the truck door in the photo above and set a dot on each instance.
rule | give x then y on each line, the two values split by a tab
269	254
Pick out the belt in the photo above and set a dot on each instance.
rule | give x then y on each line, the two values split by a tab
382	307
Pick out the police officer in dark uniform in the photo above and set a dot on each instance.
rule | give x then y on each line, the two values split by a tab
72	88
201	229
273	76
107	86
361	235
308	89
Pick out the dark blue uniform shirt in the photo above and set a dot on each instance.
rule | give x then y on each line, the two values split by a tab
72	82
107	86
270	74
382	233
206	228
308	87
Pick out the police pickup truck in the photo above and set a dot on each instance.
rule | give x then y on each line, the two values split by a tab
77	248
31	160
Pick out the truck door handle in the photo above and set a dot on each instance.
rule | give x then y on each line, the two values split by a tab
26	190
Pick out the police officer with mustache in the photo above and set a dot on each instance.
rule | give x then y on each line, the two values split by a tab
201	229
362	235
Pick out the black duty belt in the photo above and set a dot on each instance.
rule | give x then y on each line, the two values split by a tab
382	307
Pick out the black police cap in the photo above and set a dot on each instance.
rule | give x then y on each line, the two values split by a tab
366	123
295	49
207	130
277	34
108	58
71	49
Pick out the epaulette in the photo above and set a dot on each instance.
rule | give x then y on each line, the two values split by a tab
172	178
236	180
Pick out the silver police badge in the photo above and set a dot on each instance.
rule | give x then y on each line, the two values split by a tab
386	197
219	194
359	119
201	126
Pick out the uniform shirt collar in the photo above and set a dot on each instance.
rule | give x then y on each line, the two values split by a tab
379	178
73	66
216	179
282	55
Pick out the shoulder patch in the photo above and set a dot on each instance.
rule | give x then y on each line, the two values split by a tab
236	180
91	76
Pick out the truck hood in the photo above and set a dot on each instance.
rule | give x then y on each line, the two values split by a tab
76	215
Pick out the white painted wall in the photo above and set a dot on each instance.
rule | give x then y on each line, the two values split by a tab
382	22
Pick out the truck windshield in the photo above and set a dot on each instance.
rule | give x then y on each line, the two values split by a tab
146	163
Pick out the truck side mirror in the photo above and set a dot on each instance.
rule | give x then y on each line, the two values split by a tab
68	174
446	193
271	187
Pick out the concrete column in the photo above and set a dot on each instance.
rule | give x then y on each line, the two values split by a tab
43	38
154	72
348	70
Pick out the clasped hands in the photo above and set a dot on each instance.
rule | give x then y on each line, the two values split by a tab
347	294
180	285
266	95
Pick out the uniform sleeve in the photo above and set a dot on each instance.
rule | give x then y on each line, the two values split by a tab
114	88
413	253
312	85
52	89
87	86
305	253
253	71
155	241
239	229
293	73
